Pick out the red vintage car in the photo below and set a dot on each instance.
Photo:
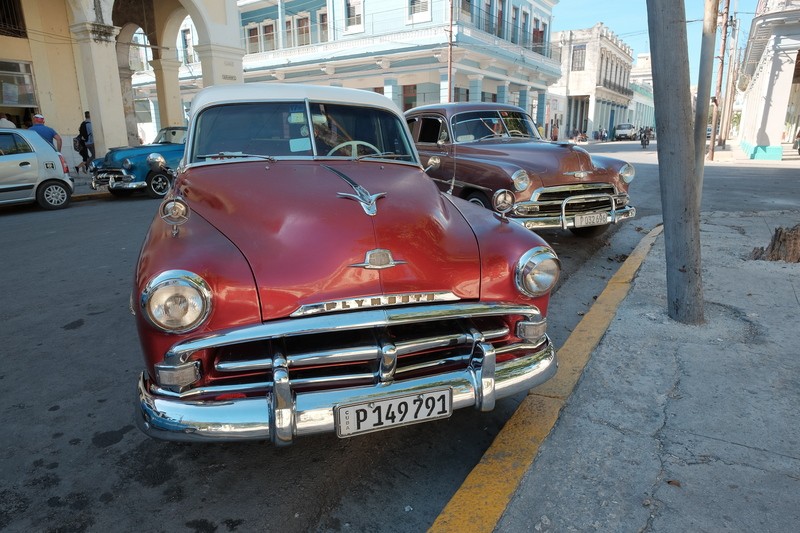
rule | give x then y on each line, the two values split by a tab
304	275
486	147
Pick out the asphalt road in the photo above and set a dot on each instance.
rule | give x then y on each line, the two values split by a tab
72	459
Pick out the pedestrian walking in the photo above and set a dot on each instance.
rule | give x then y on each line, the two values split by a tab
47	133
87	134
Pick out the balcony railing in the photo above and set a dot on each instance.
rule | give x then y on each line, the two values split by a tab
264	39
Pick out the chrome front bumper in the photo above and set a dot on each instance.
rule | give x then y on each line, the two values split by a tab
115	180
568	221
282	414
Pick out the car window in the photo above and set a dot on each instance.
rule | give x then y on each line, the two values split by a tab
477	125
11	143
430	130
284	129
171	136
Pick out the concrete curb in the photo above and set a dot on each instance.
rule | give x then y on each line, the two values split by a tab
480	502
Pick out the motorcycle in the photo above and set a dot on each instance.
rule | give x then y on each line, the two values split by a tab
645	140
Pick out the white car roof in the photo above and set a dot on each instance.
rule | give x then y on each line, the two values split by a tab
255	92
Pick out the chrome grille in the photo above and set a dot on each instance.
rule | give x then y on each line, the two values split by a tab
548	200
348	349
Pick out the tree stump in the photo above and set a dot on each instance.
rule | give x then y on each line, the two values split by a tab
784	246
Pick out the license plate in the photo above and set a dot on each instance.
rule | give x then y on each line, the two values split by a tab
388	413
594	219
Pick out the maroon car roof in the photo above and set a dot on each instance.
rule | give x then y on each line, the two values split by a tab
450	109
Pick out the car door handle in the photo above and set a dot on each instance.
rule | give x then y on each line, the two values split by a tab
25	164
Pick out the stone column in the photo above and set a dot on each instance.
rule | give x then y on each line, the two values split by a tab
96	52
502	92
393	91
169	92
540	107
128	107
475	87
444	86
221	64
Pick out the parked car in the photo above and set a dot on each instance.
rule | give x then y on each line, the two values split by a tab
485	148
31	170
125	170
625	131
304	276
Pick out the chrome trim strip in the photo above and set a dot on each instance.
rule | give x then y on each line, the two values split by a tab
354	354
386	317
379	300
311	413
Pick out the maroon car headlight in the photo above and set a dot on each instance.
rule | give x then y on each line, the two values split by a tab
627	173
537	271
176	301
521	180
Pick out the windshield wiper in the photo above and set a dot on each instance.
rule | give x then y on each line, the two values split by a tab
383	155
225	155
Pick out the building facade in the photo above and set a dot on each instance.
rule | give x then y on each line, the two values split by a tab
63	57
593	92
413	51
770	80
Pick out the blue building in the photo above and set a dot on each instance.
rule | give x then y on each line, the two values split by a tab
413	51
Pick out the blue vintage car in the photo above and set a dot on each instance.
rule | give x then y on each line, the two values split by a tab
125	170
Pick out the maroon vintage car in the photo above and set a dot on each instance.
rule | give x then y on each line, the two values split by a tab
304	275
486	147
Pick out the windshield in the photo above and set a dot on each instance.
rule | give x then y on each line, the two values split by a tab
478	125
286	129
171	136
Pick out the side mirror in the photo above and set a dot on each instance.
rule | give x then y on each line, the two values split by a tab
433	163
156	162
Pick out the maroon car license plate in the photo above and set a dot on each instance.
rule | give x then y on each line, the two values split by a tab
594	219
388	413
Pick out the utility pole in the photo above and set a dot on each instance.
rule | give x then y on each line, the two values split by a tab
720	71
733	72
666	20
703	90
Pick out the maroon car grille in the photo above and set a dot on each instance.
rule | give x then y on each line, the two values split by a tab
331	360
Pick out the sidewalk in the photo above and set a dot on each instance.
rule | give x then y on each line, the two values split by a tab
669	427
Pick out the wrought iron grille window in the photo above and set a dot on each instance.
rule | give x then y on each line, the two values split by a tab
12	23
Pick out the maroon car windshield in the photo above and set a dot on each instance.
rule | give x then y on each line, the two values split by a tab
294	129
478	125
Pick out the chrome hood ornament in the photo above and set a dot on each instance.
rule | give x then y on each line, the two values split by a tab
378	259
368	201
579	174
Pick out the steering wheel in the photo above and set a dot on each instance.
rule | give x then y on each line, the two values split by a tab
353	145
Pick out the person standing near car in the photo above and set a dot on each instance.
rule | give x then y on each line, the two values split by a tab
87	135
5	123
47	133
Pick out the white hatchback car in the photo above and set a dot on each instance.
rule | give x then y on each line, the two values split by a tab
32	171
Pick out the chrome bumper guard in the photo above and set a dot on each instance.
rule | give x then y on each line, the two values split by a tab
282	414
565	221
116	179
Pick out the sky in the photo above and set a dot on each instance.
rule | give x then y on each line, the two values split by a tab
628	20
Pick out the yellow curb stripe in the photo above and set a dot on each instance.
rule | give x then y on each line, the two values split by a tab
482	499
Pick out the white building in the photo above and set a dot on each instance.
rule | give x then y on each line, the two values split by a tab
593	91
770	79
413	51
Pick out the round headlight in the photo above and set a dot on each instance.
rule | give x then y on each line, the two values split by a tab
627	173
127	164
537	271
521	180
176	301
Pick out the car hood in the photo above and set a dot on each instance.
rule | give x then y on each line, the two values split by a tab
306	234
166	149
552	163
